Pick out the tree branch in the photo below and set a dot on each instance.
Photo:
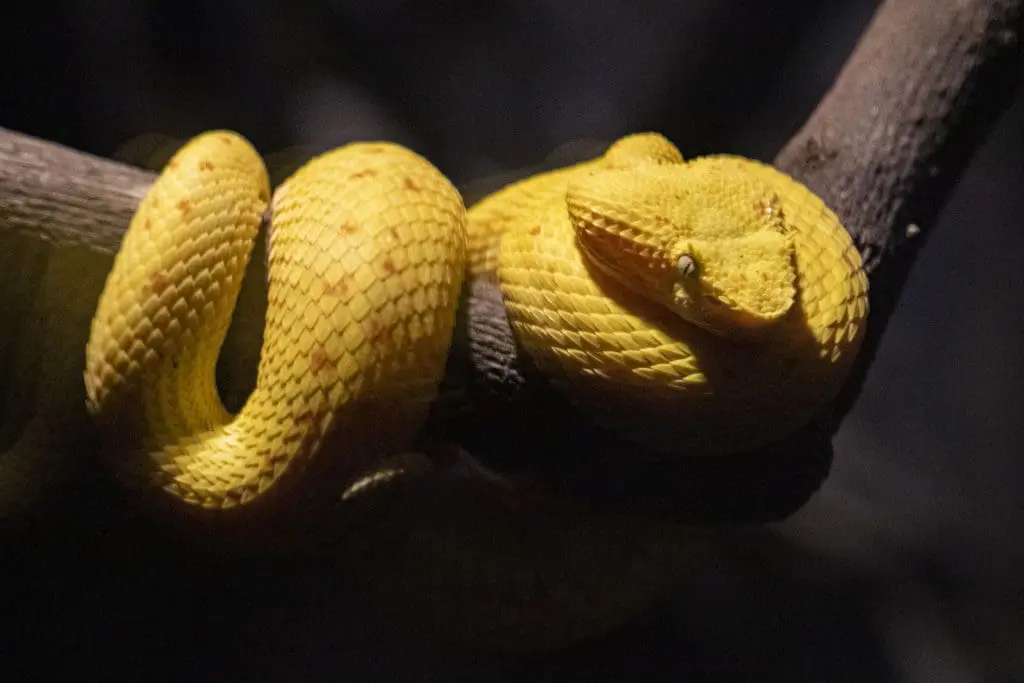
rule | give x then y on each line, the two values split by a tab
883	149
66	197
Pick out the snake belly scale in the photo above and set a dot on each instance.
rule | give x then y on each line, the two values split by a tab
365	263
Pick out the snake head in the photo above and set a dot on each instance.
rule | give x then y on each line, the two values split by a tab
704	239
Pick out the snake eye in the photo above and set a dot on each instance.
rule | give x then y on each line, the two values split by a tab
687	267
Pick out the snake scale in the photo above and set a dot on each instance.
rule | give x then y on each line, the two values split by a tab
703	306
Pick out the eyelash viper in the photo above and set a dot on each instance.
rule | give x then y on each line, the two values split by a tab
703	306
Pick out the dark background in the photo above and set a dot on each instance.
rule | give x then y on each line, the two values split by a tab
905	567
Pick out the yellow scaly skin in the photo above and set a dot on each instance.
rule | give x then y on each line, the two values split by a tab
704	307
366	260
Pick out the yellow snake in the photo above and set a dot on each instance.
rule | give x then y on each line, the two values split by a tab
701	307
366	259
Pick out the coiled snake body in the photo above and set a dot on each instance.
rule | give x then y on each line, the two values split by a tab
366	259
701	307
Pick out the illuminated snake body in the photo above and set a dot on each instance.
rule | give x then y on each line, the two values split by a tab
366	259
698	307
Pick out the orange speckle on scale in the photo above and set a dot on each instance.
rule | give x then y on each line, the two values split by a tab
365	173
157	283
318	359
205	165
373	327
339	288
411	185
184	206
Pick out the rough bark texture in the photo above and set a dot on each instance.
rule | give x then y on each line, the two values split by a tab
66	197
883	149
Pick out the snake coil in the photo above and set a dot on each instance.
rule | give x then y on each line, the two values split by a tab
704	306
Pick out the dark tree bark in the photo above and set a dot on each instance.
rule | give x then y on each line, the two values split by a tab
883	149
65	197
